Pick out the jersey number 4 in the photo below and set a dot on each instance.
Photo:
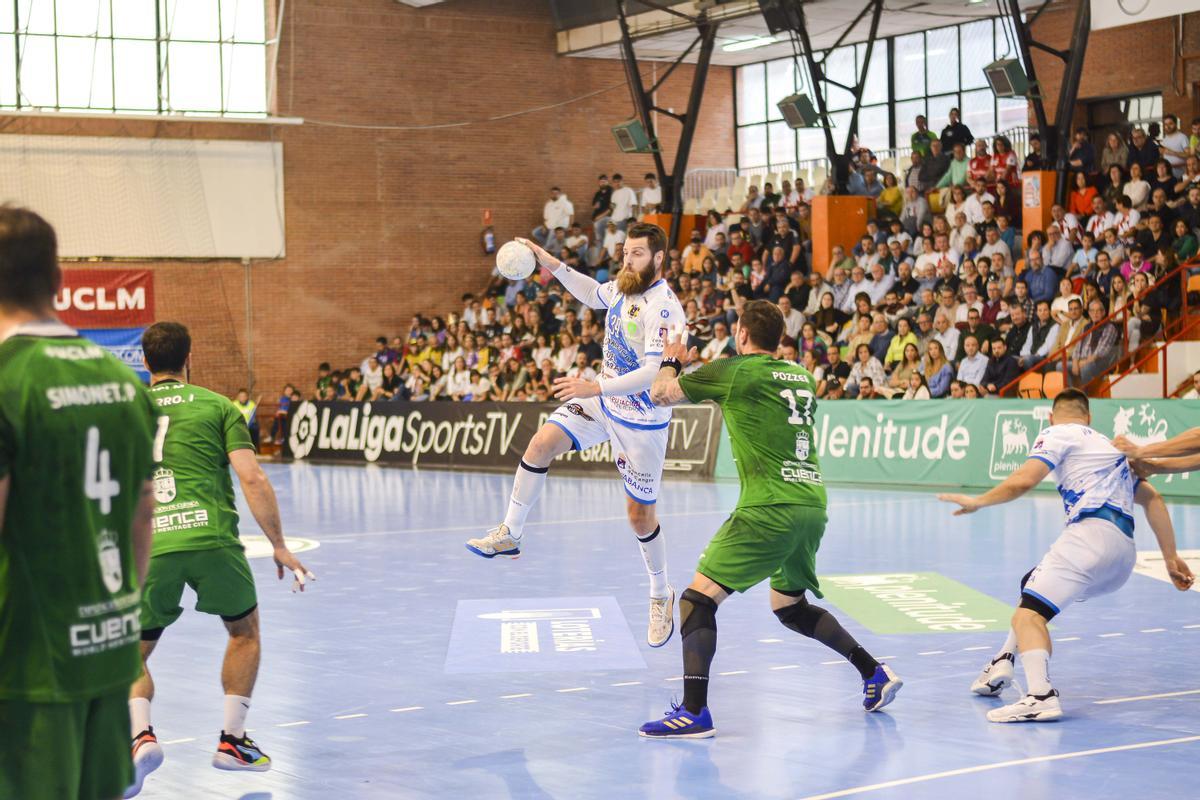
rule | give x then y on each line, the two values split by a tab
98	483
800	403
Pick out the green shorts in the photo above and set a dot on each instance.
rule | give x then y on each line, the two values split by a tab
220	577
777	542
65	751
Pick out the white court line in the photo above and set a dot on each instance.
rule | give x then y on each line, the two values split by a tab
770	641
786	666
977	647
627	683
1146	697
827	663
874	787
515	696
576	689
461	702
1189	627
293	724
407	708
179	741
735	672
349	716
1109	635
1067	639
1152	630
931	653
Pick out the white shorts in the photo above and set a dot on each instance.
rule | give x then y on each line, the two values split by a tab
1092	557
640	453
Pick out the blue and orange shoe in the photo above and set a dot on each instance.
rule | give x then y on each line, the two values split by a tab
679	723
240	753
147	756
880	689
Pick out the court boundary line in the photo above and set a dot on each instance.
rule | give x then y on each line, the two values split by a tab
1144	697
874	787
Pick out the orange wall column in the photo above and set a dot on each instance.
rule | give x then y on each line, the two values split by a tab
1037	197
838	219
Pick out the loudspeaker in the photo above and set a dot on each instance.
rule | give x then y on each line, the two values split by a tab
781	15
1007	78
631	137
798	111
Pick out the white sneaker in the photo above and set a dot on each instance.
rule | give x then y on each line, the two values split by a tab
498	542
996	676
147	757
1030	708
662	619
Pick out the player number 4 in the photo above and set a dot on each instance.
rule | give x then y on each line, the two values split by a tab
98	483
802	410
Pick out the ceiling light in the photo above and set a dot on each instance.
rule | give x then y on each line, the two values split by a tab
748	44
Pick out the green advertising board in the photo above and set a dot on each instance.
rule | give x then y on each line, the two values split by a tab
968	443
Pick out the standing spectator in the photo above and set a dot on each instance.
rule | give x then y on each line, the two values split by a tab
922	137
956	132
1034	159
558	212
1002	368
915	211
1144	152
1174	146
937	369
1114	154
933	167
601	208
1097	350
279	423
624	203
249	412
980	166
1082	157
973	364
1004	162
651	200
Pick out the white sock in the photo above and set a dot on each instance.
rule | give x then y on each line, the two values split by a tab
1010	645
236	708
139	715
1037	671
654	553
527	487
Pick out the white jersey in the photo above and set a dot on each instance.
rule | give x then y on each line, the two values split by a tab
636	328
1092	474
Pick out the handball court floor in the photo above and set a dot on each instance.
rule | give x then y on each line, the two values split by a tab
407	670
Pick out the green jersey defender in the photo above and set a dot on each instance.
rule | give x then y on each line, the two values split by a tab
75	455
769	407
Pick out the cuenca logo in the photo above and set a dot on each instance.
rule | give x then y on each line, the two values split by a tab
570	629
1013	435
164	485
304	430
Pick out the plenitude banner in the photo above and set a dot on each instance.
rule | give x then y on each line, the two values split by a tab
474	436
969	443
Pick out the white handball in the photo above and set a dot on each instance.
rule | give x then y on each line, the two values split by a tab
515	261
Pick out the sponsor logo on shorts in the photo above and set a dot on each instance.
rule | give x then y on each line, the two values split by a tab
578	411
1013	435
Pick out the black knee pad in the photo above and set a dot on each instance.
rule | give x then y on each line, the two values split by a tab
1025	579
1032	603
801	617
697	611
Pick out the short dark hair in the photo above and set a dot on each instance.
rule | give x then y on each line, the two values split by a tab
763	322
166	346
651	233
1074	396
29	271
650	175
323	366
617	176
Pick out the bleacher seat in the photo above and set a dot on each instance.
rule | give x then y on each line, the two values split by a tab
1030	386
819	174
691	206
785	176
889	165
1052	385
741	186
905	163
771	178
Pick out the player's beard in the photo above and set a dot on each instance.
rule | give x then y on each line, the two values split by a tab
631	281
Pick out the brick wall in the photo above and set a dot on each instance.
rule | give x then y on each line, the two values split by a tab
1130	60
385	224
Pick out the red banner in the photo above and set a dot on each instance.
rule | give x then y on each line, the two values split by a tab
106	298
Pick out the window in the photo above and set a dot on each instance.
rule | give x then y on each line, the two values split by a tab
135	56
930	72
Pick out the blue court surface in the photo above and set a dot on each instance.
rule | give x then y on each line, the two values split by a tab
413	669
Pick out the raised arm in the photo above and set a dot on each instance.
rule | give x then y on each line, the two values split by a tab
583	287
1185	444
1164	531
1029	475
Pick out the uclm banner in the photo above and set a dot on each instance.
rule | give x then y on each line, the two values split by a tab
106	298
475	436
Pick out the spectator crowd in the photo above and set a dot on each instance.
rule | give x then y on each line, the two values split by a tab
940	297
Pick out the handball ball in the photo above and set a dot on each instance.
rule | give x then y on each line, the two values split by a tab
515	261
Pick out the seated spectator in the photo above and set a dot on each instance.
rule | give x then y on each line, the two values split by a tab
897	344
792	319
972	392
867	390
835	370
937	369
1082	157
1069	330
817	288
564	358
1040	280
865	366
1185	244
971	302
1002	368
720	345
908	365
1136	263
813	366
881	336
933	167
1193	393
834	388
860	333
1118	294
1062	301
890	201
983	334
973	363
917	388
1097	350
1043	334
812	342
830	319
956	173
839	260
957	390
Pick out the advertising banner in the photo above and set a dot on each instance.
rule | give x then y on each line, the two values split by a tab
106	298
969	443
474	436
124	343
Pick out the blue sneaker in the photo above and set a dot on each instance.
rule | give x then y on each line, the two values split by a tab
880	689
680	723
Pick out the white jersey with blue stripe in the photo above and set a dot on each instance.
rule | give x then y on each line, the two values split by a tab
636	328
1092	475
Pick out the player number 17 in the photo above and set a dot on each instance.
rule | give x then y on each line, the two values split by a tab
800	402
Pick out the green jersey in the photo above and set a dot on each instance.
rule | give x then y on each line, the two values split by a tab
193	491
75	444
769	408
